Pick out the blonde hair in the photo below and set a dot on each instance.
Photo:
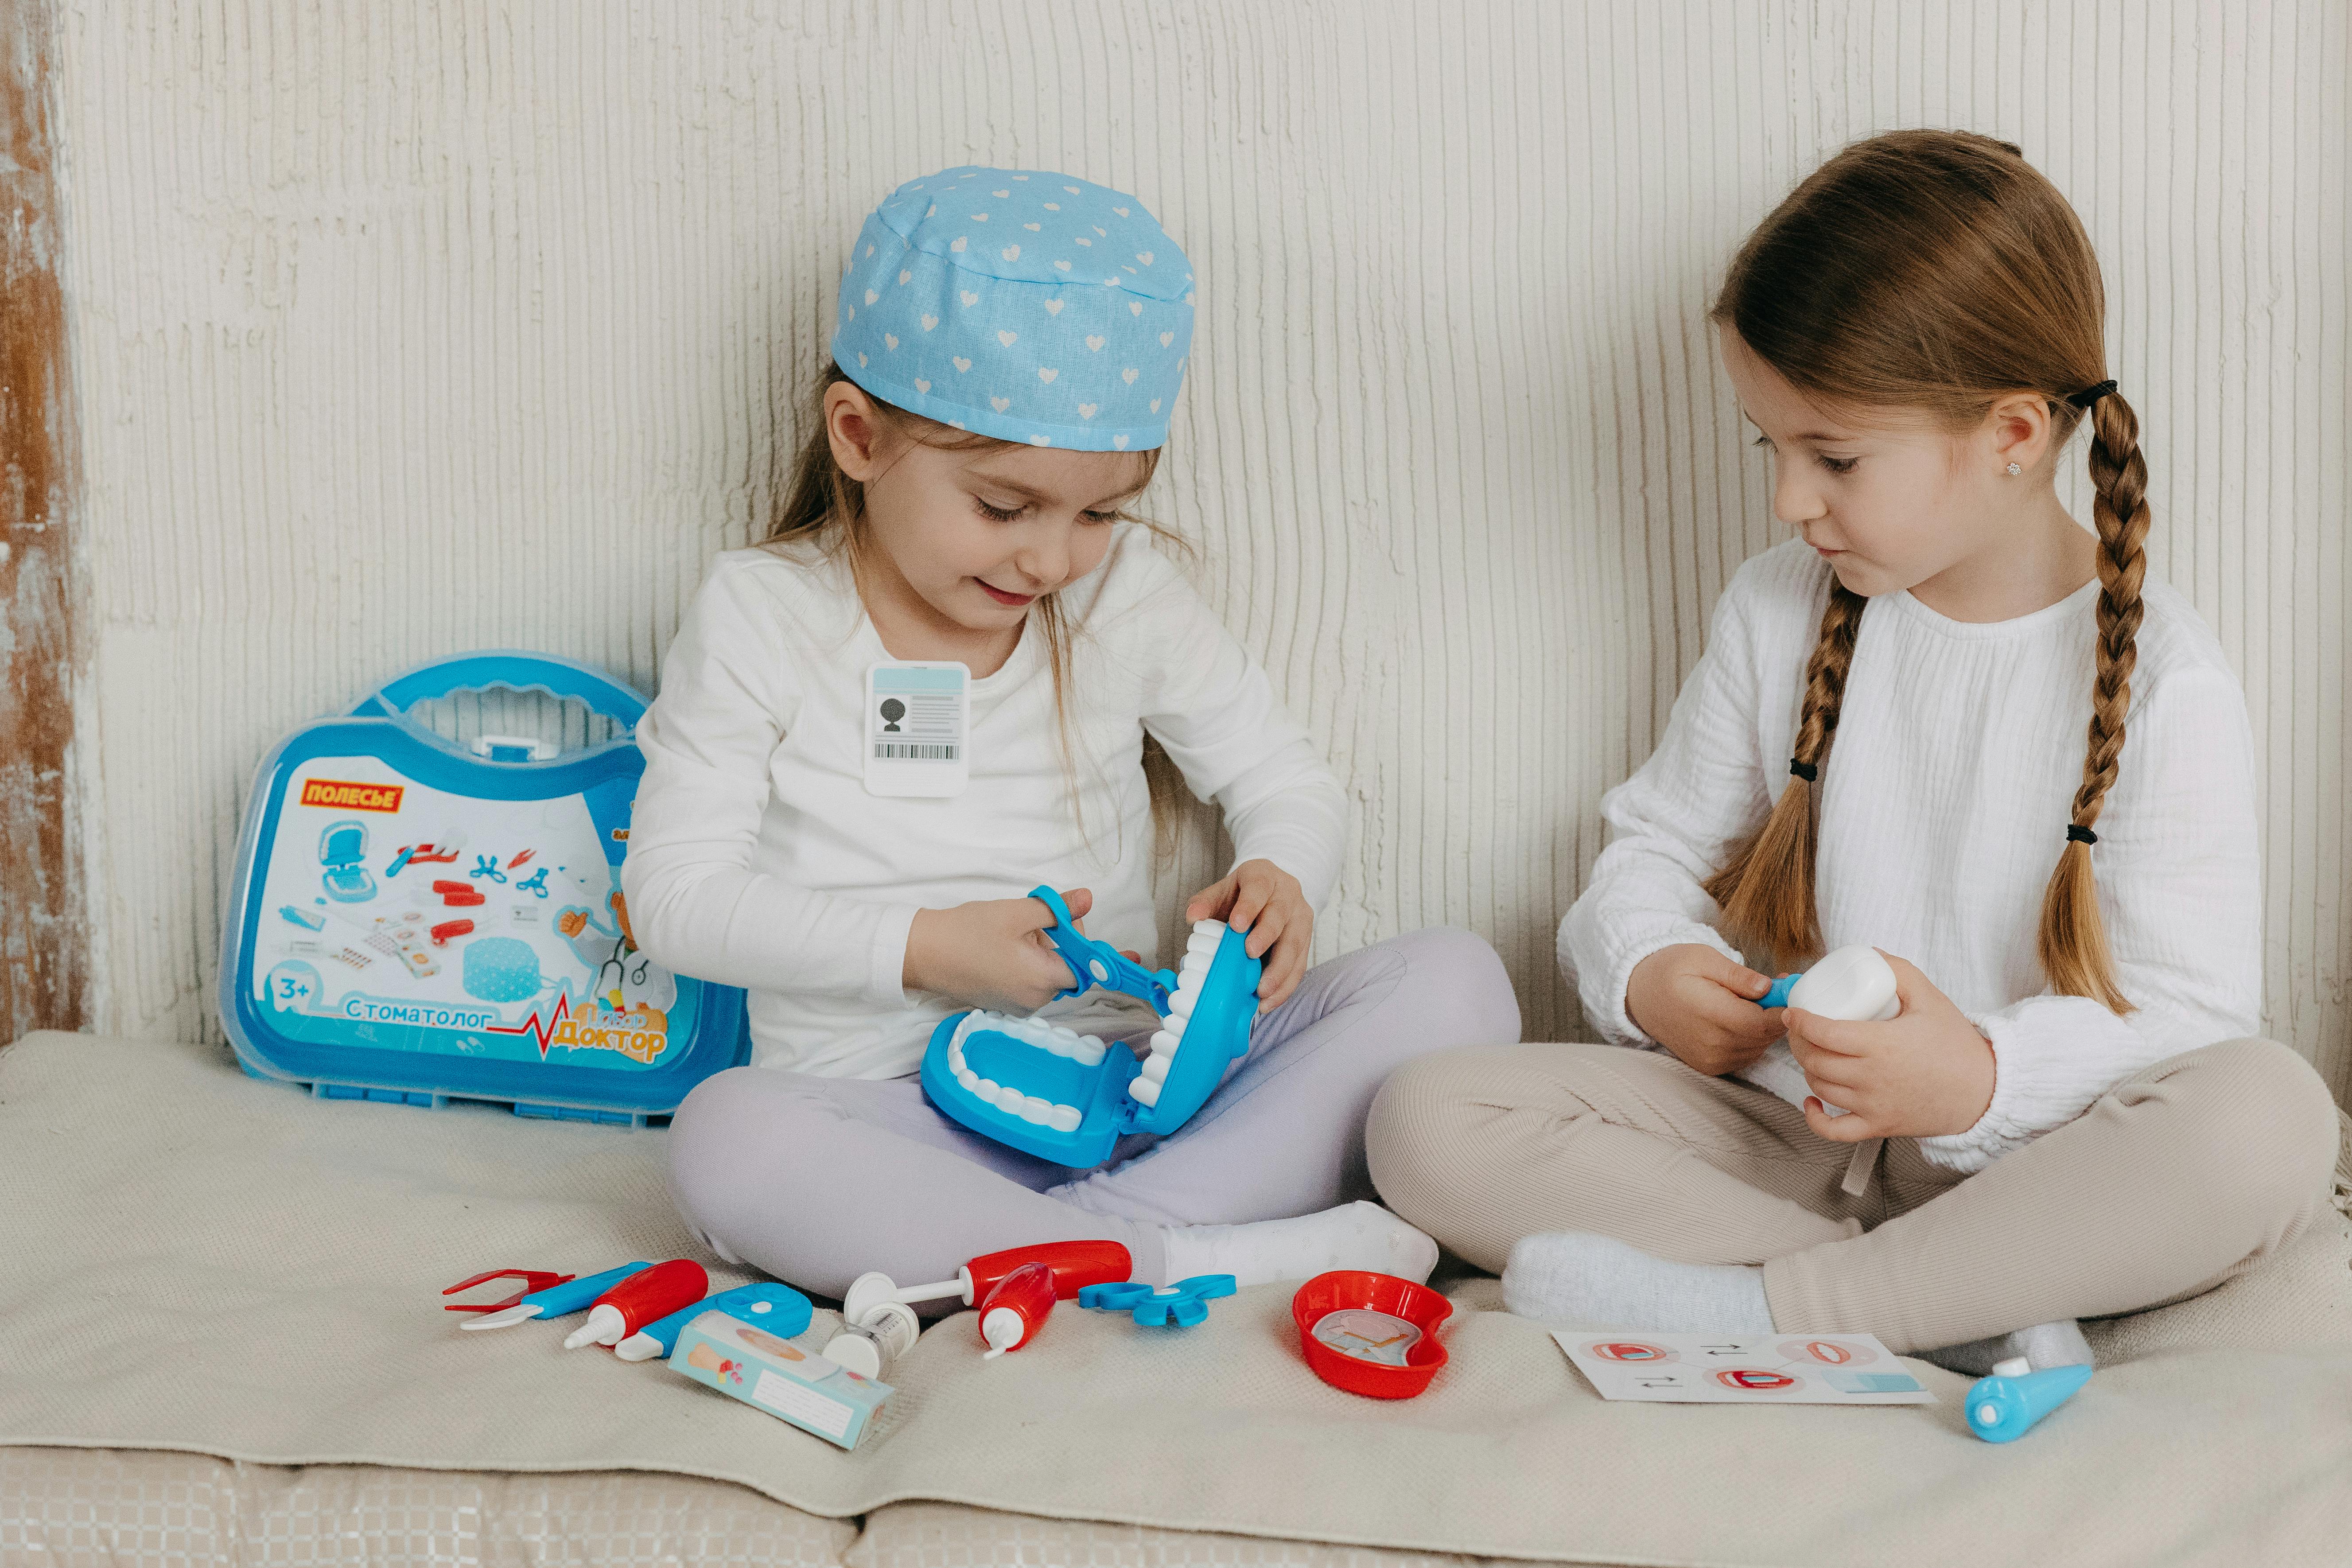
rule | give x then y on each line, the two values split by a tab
1937	271
823	505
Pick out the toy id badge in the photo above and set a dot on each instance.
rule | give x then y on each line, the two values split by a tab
918	729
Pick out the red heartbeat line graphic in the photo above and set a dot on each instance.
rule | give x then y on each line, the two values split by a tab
531	1026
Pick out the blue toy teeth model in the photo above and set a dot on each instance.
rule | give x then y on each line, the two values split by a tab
1068	1098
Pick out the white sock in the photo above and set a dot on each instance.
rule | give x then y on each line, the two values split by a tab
1597	1282
2044	1345
1353	1236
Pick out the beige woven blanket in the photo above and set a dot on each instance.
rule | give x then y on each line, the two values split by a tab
191	1259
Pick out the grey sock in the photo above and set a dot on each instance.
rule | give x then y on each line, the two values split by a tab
1598	1282
2045	1345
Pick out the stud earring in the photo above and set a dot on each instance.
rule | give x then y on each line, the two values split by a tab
2014	470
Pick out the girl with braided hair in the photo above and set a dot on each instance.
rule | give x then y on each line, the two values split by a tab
1950	722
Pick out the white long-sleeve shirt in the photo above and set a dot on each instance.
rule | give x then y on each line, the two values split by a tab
1945	800
758	858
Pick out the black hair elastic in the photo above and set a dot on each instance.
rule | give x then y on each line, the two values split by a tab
2090	395
2078	834
1805	771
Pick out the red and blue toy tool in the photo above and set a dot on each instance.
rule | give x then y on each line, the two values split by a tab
532	1279
1015	1308
2003	1407
1075	1266
1183	1305
643	1298
777	1308
557	1300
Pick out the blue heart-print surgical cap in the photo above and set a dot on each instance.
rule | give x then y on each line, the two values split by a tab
1026	305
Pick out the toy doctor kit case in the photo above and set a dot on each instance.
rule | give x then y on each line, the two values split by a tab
415	920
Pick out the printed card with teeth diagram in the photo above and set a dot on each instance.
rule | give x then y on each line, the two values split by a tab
1730	1369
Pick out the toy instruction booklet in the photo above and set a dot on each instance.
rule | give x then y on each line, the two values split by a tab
1755	1369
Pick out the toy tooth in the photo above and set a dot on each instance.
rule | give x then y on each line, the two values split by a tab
778	1308
1067	1098
2005	1406
641	1299
1855	983
573	1296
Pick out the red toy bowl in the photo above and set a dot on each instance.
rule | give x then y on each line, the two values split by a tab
1337	1292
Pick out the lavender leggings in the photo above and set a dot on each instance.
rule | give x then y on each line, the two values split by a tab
817	1180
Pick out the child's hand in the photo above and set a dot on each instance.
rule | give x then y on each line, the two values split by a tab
1702	1006
1923	1074
1261	899
991	952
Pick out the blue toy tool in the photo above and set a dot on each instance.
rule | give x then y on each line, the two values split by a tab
1183	1305
557	1300
342	851
2004	1407
778	1308
1778	996
1068	1098
536	883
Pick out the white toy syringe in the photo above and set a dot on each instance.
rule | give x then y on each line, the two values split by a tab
1854	985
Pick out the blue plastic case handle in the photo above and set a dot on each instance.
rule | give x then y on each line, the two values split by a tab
513	669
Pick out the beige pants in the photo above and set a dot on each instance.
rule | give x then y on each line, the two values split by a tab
2173	1182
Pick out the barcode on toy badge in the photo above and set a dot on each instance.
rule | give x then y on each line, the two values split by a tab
918	728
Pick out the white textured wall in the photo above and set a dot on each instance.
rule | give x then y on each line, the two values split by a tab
405	329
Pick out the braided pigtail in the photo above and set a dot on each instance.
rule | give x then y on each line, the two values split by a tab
2073	939
1766	888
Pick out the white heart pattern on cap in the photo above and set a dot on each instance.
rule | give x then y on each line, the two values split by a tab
994	284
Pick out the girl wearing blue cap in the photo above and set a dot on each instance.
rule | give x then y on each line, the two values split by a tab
954	580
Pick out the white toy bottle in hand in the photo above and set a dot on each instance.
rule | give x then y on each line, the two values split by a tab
1854	984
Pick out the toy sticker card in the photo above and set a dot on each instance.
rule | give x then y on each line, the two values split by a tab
1730	1369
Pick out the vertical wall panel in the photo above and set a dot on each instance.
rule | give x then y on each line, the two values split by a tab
407	329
